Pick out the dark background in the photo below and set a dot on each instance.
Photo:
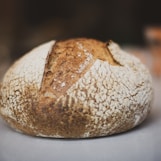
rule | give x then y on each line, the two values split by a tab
27	23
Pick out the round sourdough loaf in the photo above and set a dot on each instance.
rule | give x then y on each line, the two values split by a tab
76	88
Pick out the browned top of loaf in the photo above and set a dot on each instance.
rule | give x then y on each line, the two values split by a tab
68	61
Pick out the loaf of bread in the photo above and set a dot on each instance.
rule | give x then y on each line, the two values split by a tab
76	88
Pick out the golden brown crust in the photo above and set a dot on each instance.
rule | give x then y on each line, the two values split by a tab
87	88
62	68
68	61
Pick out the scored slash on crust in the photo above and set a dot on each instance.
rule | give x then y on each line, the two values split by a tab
76	88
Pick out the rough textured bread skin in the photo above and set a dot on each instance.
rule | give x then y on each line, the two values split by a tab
76	88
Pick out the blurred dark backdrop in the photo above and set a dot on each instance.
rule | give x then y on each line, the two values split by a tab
27	23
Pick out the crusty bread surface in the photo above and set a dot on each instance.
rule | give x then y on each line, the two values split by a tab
76	88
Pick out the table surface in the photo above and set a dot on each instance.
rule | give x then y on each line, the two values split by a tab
143	143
